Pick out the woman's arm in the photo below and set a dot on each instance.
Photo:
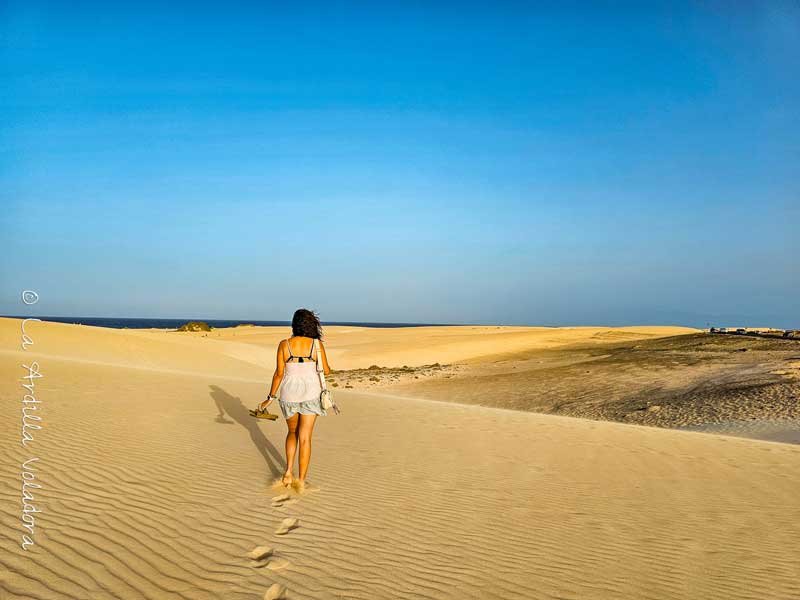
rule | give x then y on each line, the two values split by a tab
326	368
277	377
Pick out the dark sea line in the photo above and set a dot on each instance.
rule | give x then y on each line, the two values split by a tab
127	323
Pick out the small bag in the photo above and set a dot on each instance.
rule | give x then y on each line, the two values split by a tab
326	395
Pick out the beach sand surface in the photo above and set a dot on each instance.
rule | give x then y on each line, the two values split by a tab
156	483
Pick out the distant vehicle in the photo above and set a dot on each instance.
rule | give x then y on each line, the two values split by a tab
713	330
723	330
791	334
741	331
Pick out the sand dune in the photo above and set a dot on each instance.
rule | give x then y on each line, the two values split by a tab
157	485
149	350
349	347
360	347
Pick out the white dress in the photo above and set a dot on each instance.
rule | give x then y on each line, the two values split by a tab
300	388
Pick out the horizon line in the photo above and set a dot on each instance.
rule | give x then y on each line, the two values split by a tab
348	323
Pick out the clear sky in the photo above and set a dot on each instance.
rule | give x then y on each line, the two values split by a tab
498	162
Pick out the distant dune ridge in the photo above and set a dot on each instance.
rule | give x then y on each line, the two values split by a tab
156	483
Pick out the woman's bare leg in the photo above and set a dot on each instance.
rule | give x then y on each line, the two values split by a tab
291	448
304	432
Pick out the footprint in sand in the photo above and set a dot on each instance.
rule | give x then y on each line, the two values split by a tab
264	556
283	500
287	525
275	592
273	563
260	552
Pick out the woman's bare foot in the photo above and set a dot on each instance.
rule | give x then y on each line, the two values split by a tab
287	479
299	485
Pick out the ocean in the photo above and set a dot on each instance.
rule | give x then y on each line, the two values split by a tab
138	323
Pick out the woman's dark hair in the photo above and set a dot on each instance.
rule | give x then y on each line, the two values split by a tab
305	323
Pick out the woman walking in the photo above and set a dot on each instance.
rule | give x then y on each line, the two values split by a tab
297	386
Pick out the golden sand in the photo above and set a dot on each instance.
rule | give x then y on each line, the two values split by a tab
156	484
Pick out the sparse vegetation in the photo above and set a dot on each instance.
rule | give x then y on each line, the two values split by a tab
377	375
195	326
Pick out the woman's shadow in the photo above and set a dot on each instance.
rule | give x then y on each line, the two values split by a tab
233	407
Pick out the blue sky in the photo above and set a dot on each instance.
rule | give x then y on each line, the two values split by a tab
513	163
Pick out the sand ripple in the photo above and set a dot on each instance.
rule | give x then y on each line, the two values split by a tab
157	486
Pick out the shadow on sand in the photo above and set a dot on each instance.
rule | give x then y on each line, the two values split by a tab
233	407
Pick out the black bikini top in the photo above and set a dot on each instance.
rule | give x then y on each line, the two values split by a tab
299	358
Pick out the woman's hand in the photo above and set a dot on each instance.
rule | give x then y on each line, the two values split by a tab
263	406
